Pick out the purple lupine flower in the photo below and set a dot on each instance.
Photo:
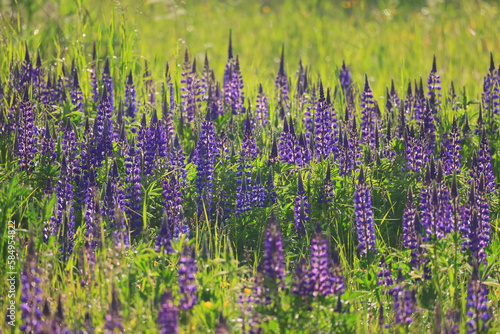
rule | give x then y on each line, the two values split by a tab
477	303
76	94
346	153
436	207
414	151
434	85
243	197
173	200
206	150
368	119
302	214
27	136
206	79
384	275
248	147
191	89
168	315
274	260
262	107
105	125
418	105
476	221
155	145
452	150
323	278
233	84
483	164
281	83
47	146
289	149
491	95
133	200
365	226
107	81
322	127
345	79
113	317
187	286
258	192
164	237
30	292
130	98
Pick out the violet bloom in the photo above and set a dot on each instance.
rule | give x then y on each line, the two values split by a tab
368	119
76	94
206	150
345	79
323	127
483	164
258	192
452	150
168	315
324	276
262	107
30	292
172	197
233	83
27	136
491	95
133	200
191	89
478	313
113	317
365	226
243	197
414	151
281	83
274	259
108	83
302	214
434	85
187	273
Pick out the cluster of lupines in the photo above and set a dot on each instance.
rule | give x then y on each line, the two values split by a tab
158	145
365	226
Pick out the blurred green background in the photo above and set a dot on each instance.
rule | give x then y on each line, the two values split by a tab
385	39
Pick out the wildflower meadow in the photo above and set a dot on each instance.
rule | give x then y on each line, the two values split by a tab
227	166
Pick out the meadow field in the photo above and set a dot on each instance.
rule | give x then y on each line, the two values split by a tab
238	166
